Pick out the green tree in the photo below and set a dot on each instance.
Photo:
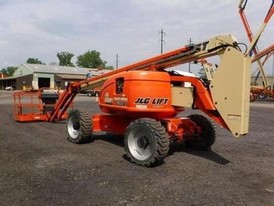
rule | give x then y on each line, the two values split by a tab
65	59
90	59
8	71
34	61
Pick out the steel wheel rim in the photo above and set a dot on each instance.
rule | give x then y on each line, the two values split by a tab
262	96
72	130
140	143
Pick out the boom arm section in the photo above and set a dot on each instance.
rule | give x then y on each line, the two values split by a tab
182	55
254	40
221	92
268	52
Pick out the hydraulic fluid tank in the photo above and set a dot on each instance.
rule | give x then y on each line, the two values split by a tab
138	94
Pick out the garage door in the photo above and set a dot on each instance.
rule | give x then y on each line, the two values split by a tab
43	82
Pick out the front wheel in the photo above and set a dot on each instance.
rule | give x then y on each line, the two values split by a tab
79	127
206	134
146	142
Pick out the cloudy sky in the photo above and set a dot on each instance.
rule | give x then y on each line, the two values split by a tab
129	28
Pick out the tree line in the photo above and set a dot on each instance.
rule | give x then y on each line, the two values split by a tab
90	59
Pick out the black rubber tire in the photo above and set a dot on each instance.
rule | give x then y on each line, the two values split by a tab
262	95
205	139
79	127
146	142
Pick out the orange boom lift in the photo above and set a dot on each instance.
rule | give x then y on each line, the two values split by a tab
264	90
142	101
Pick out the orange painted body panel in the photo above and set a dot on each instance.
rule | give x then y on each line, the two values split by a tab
177	128
141	94
109	123
180	128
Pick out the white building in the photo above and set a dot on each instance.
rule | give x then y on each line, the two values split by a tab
38	76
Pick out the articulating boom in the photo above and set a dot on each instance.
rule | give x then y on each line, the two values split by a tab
253	40
225	99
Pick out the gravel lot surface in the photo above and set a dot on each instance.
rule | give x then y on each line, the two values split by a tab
39	166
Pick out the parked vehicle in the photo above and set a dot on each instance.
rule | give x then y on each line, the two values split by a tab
9	88
93	93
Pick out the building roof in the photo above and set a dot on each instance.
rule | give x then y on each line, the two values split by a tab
55	69
7	78
100	72
71	76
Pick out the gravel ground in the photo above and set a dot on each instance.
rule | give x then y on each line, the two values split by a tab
39	166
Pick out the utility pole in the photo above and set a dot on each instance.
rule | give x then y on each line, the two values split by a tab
162	40
189	70
117	60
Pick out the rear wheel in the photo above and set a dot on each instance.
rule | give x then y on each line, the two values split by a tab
262	95
146	142
205	136
79	127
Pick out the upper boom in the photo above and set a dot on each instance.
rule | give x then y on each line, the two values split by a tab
179	56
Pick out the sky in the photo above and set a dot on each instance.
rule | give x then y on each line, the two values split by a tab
130	28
